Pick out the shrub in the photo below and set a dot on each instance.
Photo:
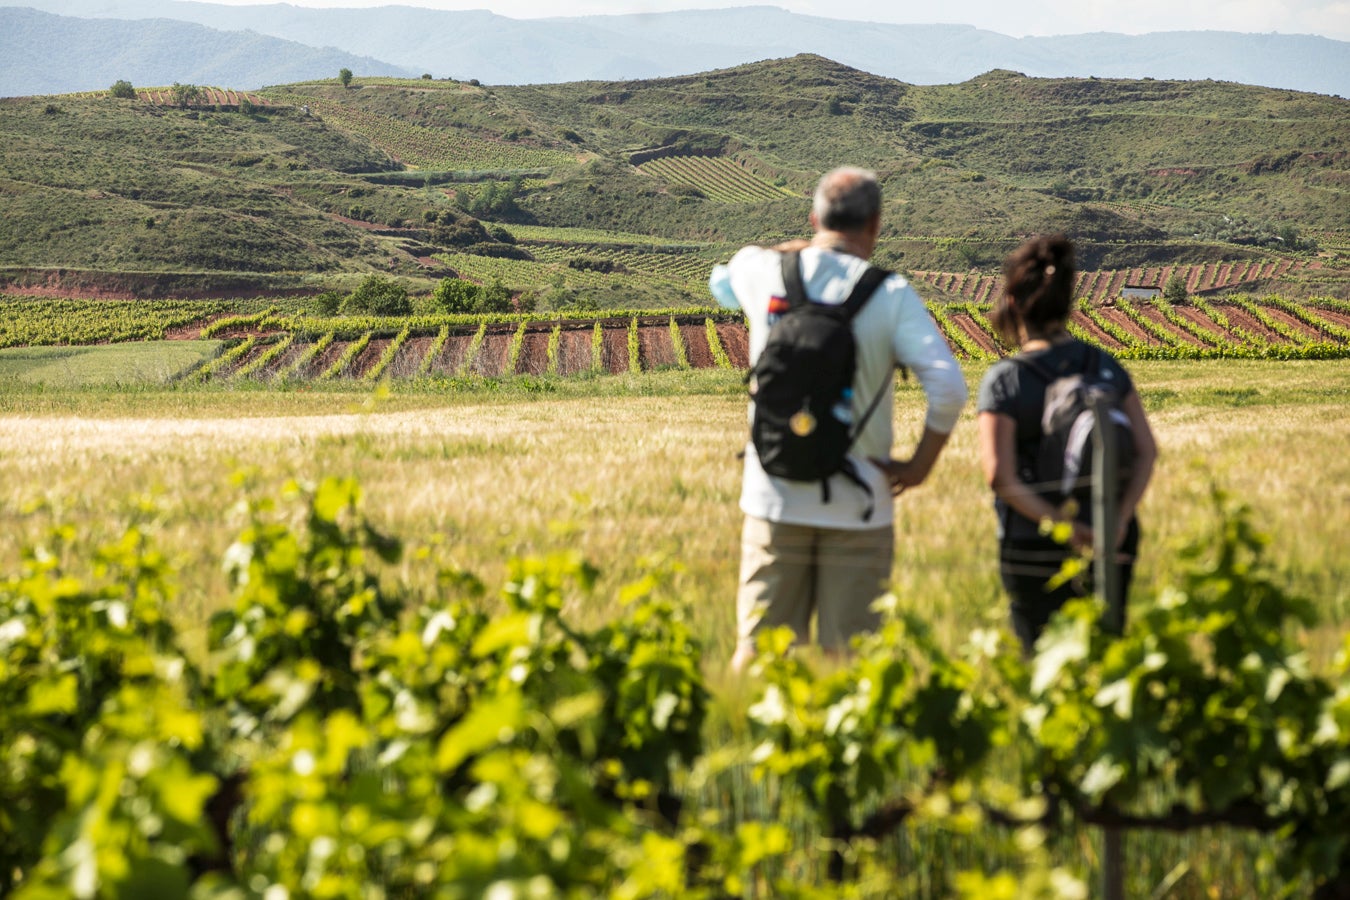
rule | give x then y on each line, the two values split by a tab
454	295
122	90
328	303
378	296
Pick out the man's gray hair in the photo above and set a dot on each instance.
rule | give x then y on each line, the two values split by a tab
847	199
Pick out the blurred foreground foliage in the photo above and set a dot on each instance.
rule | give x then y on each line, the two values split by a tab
348	735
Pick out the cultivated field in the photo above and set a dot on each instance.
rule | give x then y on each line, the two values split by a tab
635	466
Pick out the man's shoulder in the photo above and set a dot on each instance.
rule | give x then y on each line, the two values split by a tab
753	255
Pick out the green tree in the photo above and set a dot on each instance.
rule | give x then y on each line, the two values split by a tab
185	94
328	303
123	90
454	295
378	296
345	76
1175	291
496	297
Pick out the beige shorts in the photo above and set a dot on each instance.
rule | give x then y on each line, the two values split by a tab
790	572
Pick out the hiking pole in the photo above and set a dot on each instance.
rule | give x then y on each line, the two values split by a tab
1105	494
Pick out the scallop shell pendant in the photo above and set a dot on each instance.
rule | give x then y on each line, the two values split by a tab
802	423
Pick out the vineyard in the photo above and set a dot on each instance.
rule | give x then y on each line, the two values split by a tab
434	148
1100	286
547	344
716	177
279	348
29	322
210	96
270	344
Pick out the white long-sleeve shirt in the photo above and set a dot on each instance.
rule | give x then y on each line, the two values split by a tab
893	329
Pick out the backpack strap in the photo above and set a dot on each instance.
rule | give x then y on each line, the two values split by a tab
792	279
863	290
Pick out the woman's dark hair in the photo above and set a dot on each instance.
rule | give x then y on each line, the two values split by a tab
1037	291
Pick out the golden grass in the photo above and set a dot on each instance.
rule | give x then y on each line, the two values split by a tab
628	480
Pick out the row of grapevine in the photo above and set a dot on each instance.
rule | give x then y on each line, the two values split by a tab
34	322
687	268
356	736
210	96
550	234
1105	285
717	177
511	345
435	148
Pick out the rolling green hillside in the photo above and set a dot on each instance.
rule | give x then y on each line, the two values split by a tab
422	179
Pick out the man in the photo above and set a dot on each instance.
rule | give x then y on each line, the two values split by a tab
805	550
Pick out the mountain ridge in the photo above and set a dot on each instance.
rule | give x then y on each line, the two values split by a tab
496	49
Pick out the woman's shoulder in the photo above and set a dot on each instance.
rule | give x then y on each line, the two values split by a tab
999	386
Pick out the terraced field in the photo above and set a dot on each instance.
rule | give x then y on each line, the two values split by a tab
1099	286
210	96
715	177
434	148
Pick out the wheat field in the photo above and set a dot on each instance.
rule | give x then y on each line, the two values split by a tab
632	470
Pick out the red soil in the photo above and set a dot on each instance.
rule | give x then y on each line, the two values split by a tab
978	335
1157	318
492	355
409	357
1124	322
655	348
696	346
533	354
1191	314
736	342
368	358
451	357
324	361
1245	320
574	350
1334	316
614	351
1290	321
253	353
1097	335
282	362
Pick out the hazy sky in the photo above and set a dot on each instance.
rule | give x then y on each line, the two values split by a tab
1329	18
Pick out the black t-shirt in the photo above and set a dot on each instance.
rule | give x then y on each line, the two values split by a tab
1016	391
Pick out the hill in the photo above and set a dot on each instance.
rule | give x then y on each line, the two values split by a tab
623	193
47	54
500	50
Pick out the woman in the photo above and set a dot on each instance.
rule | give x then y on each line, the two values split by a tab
1032	314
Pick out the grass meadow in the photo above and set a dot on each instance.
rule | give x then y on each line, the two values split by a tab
633	469
637	471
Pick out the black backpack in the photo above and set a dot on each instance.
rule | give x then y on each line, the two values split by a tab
1062	466
802	384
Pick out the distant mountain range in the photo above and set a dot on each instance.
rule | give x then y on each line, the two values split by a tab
53	46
